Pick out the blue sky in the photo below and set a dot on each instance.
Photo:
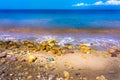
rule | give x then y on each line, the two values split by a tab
59	4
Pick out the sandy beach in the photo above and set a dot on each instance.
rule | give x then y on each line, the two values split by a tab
80	62
78	66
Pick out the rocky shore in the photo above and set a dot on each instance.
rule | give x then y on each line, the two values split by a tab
46	60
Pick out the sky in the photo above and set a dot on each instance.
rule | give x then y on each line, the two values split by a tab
59	4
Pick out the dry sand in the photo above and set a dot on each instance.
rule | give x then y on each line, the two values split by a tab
88	65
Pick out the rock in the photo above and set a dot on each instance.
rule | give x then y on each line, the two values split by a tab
1	67
11	74
66	75
85	49
101	78
51	76
1	72
60	78
4	74
113	55
10	53
84	78
111	51
23	53
2	55
8	79
50	59
22	60
29	77
51	42
12	58
44	43
38	76
31	58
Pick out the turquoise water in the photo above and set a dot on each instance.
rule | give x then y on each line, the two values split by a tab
61	18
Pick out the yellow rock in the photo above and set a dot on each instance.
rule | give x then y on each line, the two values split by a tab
84	78
101	78
48	48
66	75
44	43
51	42
53	51
31	58
30	45
10	53
70	47
85	49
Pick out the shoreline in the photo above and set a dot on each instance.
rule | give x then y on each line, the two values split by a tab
61	30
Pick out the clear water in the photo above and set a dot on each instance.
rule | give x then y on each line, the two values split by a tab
61	18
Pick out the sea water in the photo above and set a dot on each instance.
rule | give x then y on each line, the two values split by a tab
61	18
77	19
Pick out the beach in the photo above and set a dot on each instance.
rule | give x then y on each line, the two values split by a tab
63	44
59	54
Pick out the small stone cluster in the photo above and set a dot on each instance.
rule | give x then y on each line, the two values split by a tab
51	46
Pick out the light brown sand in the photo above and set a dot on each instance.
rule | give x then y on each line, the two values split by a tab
89	65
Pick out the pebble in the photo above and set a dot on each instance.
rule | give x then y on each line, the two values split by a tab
100	78
23	53
52	76
2	55
11	74
38	76
50	59
60	78
29	77
66	74
12	58
31	58
1	66
4	74
26	73
1	72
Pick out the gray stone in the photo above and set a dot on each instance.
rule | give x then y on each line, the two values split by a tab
12	58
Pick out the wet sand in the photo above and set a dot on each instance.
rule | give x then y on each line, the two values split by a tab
60	30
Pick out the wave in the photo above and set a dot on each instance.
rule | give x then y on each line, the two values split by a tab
65	38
